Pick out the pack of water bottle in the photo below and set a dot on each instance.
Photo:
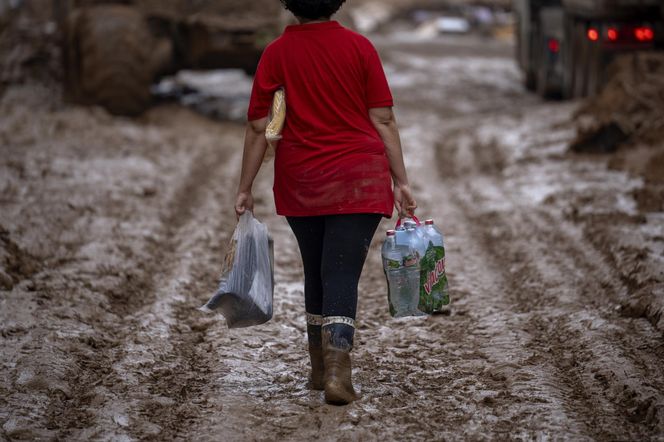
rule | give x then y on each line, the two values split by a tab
414	264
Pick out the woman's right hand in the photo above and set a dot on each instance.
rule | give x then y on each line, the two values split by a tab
243	201
404	201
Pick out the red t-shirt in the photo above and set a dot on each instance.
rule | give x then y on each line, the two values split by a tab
331	159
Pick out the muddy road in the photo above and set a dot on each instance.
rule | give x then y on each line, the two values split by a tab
112	232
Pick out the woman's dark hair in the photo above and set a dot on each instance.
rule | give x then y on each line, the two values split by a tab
313	9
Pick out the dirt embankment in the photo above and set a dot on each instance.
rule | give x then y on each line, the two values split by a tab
632	101
627	119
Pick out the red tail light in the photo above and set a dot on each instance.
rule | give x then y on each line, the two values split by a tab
644	33
593	34
554	45
612	34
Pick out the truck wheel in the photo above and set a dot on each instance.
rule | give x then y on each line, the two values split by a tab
580	61
110	58
530	80
594	69
568	58
543	88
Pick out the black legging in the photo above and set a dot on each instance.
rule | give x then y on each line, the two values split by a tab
333	248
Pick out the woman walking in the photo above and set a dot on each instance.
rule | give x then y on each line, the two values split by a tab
338	169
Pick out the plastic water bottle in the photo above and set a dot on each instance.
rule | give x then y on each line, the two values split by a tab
416	239
431	231
405	291
403	276
434	293
392	266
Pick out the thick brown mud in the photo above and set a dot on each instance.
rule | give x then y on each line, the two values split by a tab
112	232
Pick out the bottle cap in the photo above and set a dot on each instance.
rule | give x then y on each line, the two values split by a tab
390	233
428	222
410	224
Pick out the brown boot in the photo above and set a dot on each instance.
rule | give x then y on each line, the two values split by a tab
337	344
315	351
317	367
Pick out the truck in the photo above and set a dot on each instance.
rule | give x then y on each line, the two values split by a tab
564	47
115	50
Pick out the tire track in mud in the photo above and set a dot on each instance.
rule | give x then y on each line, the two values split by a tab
114	391
175	388
526	398
554	277
572	349
131	295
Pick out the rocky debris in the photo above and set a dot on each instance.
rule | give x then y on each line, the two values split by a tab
6	282
28	49
629	107
256	10
629	113
221	94
15	264
647	303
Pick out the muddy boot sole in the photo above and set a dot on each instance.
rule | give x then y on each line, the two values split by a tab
338	394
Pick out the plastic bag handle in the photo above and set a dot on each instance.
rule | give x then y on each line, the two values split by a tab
414	218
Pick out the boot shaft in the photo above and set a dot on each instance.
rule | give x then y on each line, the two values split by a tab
338	332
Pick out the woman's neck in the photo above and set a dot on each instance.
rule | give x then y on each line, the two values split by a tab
306	21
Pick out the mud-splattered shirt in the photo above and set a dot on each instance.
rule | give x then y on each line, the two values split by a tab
331	159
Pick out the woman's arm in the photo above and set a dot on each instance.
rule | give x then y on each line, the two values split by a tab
255	145
385	123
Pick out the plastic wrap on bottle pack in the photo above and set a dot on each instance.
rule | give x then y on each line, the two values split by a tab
246	286
414	265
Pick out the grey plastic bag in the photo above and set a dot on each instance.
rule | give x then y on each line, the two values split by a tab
246	287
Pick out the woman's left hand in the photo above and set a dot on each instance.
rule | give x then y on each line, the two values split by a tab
404	201
243	201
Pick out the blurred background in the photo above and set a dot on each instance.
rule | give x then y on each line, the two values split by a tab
126	55
123	55
533	133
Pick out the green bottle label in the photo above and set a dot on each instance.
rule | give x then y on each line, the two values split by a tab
433	281
392	264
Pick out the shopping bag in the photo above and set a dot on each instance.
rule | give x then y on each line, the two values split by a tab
246	286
